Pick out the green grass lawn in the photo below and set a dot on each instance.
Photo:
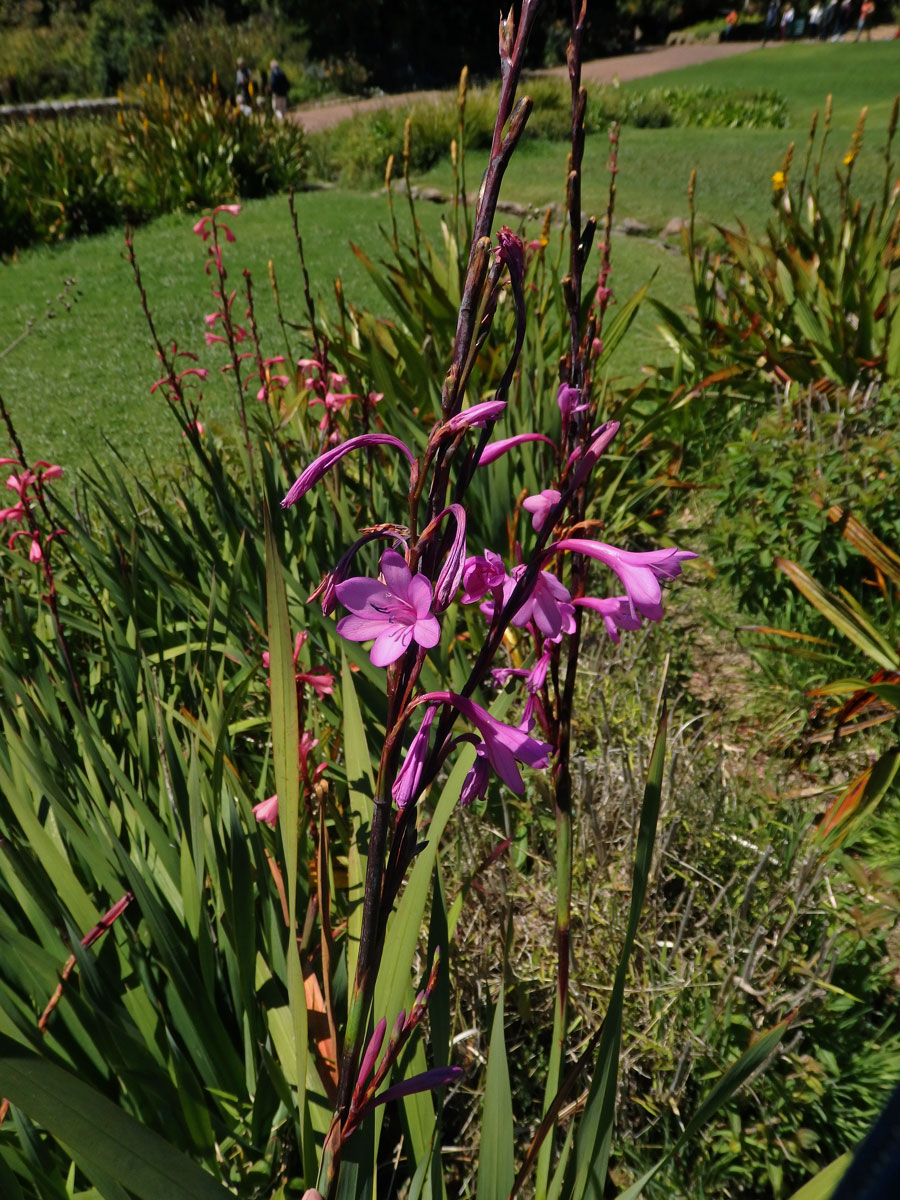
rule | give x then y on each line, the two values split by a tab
85	376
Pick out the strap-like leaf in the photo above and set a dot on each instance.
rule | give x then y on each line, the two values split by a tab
99	1132
594	1137
496	1167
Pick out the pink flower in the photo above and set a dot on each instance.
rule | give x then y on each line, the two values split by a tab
504	745
196	427
35	550
639	572
322	684
494	450
267	810
21	483
540	506
616	612
477	779
451	571
405	788
476	416
568	398
334	402
549	606
394	610
482	574
275	381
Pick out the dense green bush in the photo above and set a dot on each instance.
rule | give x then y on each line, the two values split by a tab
185	149
57	180
47	60
774	481
117	34
80	53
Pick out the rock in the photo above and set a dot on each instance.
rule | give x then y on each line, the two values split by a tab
510	206
634	228
674	228
432	195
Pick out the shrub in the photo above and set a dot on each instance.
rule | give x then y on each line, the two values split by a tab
48	60
184	149
118	33
775	480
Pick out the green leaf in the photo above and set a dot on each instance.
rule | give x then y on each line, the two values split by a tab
620	325
842	617
889	692
361	786
594	1137
285	741
723	1089
100	1132
496	1166
821	1186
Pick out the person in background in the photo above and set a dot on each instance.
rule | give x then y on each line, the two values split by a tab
844	17
772	13
730	21
787	22
279	88
242	86
866	10
814	20
828	18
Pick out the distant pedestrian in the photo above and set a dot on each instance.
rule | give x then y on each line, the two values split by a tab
279	88
844	18
787	22
730	21
242	86
866	10
771	25
828	19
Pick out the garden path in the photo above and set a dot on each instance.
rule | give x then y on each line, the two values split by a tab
651	61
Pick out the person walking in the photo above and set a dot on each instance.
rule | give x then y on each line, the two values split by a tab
844	17
866	10
279	88
242	87
772	13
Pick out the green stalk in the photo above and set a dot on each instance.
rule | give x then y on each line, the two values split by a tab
367	963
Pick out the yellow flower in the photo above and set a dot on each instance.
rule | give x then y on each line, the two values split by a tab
779	181
849	157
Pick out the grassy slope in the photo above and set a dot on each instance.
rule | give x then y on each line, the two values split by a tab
86	375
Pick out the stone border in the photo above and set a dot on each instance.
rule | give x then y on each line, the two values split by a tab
46	110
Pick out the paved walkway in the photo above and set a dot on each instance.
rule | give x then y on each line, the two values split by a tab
639	65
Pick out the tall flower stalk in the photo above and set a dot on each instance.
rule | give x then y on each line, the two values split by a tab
406	611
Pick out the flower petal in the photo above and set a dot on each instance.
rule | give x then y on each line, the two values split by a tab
390	644
363	629
366	597
427	631
419	596
397	575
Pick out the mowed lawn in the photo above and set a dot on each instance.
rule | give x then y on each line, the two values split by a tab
83	379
